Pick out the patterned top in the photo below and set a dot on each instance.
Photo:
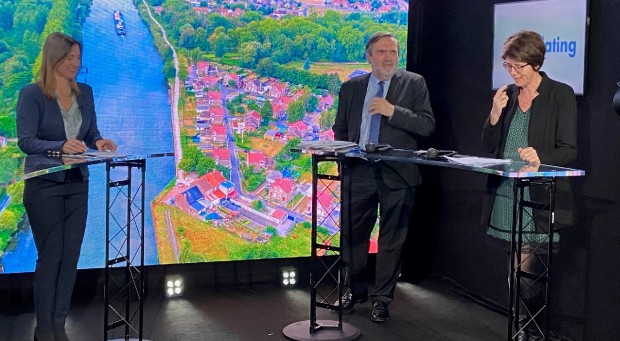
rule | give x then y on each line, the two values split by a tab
501	217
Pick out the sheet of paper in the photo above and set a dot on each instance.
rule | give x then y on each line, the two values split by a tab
107	155
327	145
477	161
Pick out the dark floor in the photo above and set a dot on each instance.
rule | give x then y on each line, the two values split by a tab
429	311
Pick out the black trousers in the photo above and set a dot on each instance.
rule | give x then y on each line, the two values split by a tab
57	214
363	192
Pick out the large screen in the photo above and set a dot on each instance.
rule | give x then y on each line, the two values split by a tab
230	86
563	26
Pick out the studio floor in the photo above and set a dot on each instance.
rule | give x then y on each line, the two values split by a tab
432	310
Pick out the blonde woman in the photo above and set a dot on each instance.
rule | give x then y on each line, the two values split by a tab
57	114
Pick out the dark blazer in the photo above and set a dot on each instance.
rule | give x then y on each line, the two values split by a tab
552	132
40	128
412	117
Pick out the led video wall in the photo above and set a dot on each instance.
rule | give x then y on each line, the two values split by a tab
229	86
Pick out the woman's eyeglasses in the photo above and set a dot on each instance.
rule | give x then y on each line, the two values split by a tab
517	68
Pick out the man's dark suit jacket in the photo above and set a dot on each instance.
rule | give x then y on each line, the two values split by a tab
40	127
412	117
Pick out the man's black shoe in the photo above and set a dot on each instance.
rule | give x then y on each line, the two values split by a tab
380	312
349	300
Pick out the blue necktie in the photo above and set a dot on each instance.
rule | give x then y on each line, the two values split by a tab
375	120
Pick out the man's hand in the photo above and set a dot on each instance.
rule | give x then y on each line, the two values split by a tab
380	106
105	145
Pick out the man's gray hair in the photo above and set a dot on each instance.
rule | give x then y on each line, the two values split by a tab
378	36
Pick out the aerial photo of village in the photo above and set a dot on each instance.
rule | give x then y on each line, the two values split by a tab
244	82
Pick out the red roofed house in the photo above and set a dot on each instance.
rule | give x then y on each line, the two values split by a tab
217	115
280	216
278	111
214	98
252	86
197	85
252	119
326	102
238	125
202	67
282	189
214	179
385	8
285	101
298	129
231	76
218	133
201	10
257	160
327	135
201	106
203	185
181	202
210	81
222	156
277	90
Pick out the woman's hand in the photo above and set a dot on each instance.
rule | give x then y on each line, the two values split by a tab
499	103
529	155
105	145
74	146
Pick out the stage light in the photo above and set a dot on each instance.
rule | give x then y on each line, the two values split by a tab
289	277
174	286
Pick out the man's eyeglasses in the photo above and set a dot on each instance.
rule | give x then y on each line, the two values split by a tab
517	68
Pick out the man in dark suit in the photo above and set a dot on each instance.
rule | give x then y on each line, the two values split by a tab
388	106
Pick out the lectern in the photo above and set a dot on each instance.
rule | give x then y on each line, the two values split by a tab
523	175
124	262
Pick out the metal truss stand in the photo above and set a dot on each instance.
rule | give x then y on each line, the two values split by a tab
124	267
326	264
523	283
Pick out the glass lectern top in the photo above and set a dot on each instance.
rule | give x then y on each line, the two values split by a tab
503	168
31	166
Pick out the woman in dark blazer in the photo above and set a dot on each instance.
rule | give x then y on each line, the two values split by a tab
57	114
532	120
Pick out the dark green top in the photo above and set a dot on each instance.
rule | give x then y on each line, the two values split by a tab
501	216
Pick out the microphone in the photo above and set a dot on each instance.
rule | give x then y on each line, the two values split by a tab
373	148
433	153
